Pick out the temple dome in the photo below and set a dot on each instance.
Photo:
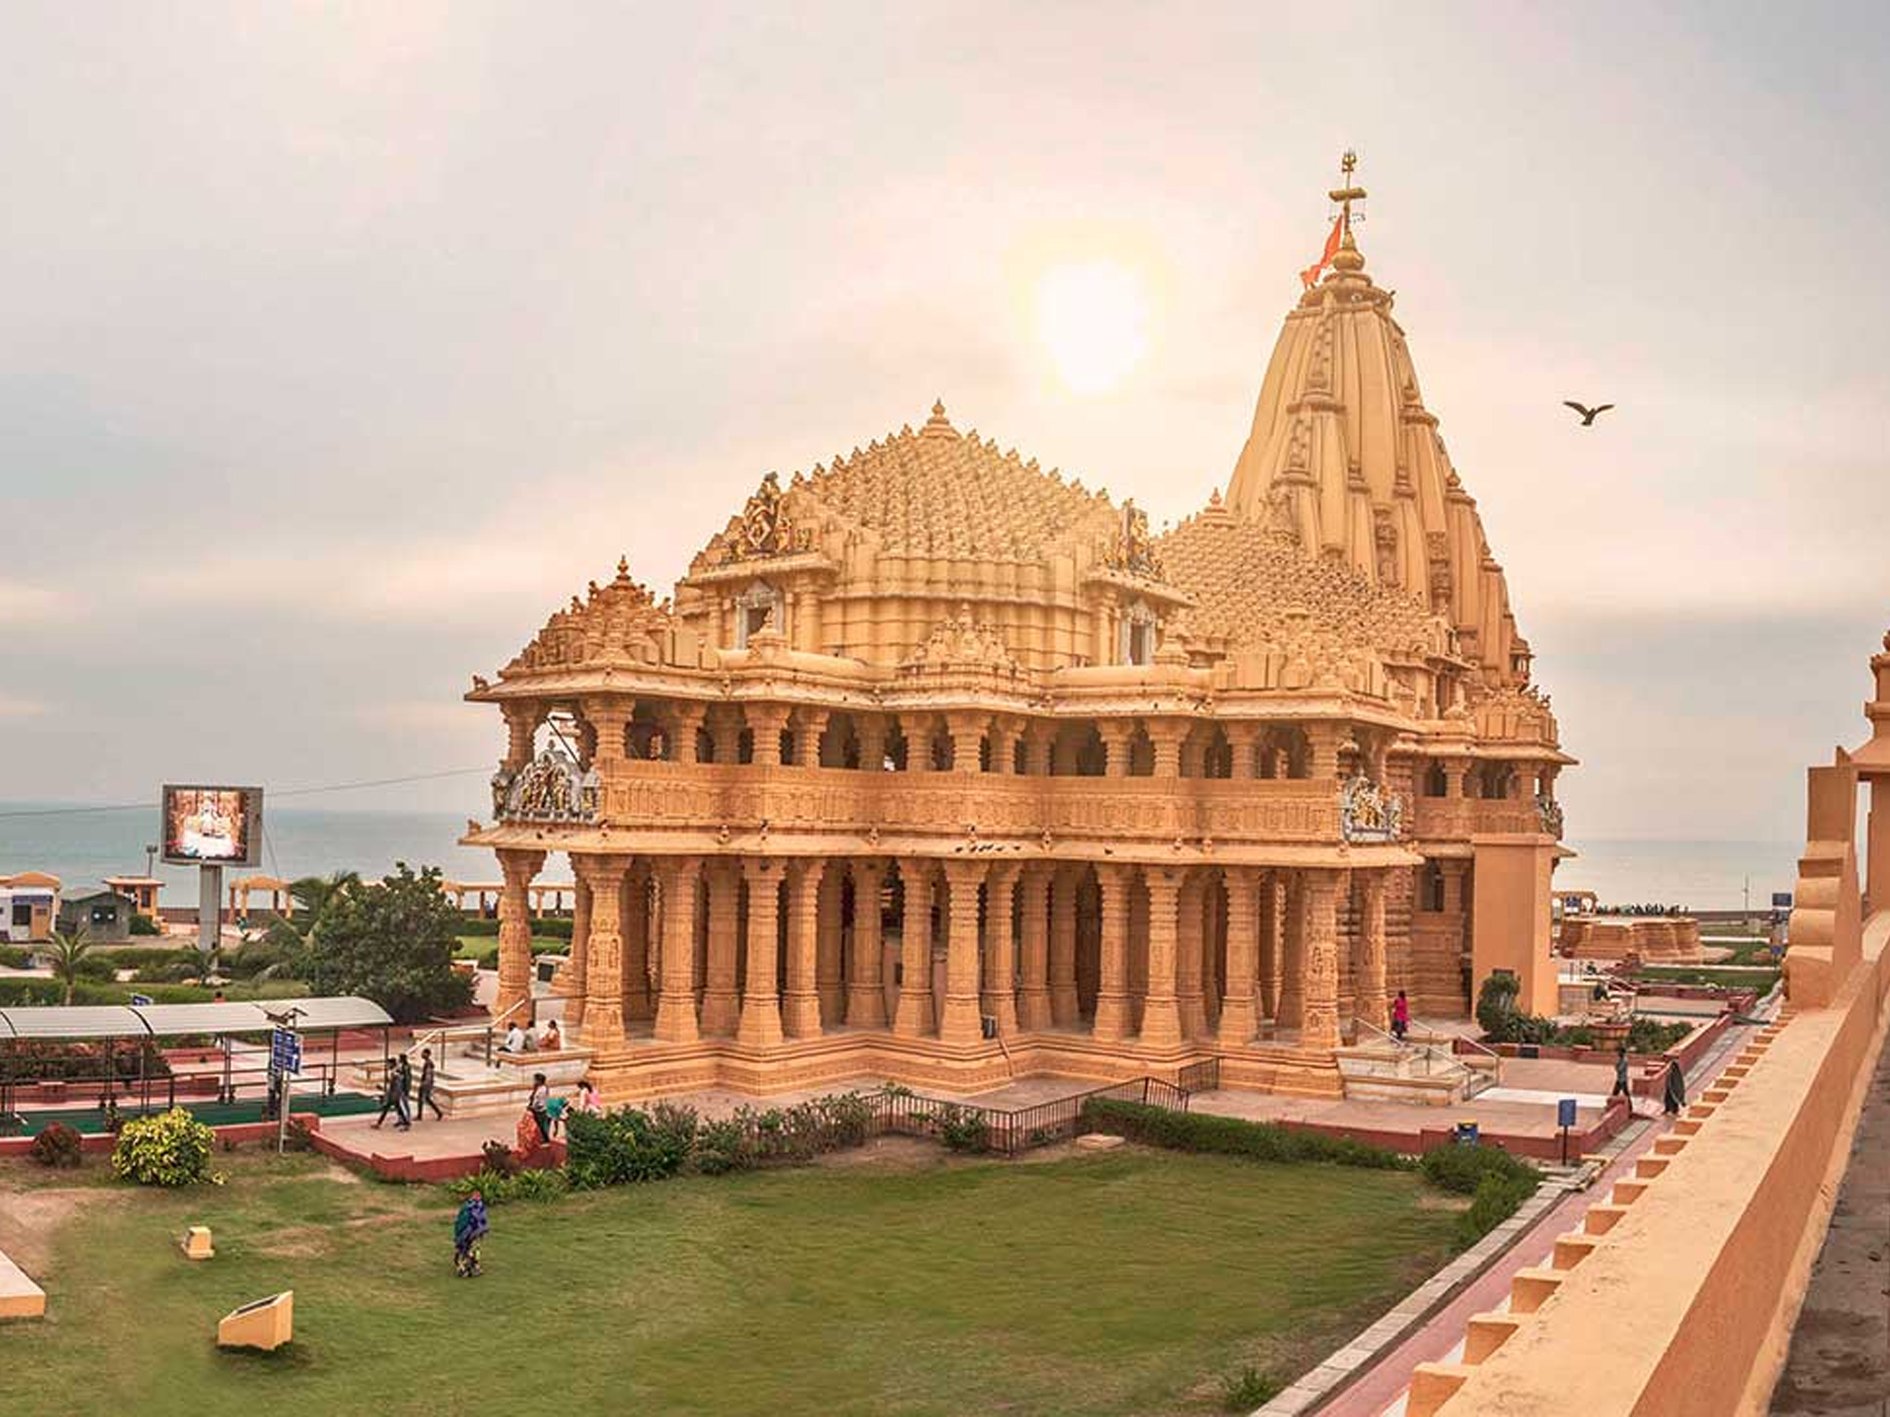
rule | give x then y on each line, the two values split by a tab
1344	455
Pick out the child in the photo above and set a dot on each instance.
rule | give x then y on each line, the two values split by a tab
555	1108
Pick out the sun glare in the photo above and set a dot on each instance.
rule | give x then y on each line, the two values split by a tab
1093	319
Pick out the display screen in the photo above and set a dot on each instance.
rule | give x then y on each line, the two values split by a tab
212	826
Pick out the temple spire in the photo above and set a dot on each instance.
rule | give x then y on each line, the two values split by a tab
1348	257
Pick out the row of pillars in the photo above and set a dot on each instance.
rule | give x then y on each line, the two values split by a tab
634	953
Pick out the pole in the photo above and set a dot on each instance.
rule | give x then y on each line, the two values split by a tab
1565	1146
209	910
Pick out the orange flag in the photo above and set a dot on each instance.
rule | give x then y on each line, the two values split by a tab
1311	274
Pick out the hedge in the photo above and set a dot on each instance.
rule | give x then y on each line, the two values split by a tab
1231	1136
543	927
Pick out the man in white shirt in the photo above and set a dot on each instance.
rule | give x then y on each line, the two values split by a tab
514	1039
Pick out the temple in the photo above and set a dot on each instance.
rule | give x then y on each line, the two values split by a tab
940	766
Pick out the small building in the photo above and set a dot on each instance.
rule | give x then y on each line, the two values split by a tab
29	903
102	912
141	891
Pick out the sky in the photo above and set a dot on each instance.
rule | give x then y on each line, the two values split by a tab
341	343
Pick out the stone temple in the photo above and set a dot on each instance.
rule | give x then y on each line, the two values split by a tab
939	766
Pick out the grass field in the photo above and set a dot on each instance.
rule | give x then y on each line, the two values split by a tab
1127	1282
485	948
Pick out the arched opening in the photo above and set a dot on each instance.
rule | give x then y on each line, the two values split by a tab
1092	757
1138	643
1436	781
1217	754
754	608
1431	888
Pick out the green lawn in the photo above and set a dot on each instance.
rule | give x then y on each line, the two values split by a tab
1128	1282
485	948
1759	980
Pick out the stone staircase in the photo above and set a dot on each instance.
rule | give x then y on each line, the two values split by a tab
1422	1073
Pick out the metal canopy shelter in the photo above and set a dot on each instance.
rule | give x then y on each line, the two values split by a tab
78	1023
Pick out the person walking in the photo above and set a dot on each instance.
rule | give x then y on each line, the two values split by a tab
536	1105
469	1228
394	1095
1674	1094
1621	1088
1400	1016
426	1088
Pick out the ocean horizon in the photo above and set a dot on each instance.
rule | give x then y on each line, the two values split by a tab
81	845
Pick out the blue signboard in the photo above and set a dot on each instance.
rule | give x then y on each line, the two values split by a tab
285	1051
139	1001
1565	1112
1781	900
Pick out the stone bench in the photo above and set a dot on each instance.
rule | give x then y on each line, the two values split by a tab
20	1298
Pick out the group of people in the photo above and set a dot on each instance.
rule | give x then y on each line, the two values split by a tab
1673	1092
1641	910
398	1095
520	1039
545	1112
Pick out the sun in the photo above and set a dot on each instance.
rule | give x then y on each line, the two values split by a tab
1093	319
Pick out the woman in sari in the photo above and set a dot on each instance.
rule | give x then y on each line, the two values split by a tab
469	1227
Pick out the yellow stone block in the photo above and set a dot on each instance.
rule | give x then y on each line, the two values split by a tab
197	1244
265	1323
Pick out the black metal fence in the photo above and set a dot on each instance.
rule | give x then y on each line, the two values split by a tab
966	1126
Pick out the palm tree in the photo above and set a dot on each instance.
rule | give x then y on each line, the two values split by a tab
69	947
295	934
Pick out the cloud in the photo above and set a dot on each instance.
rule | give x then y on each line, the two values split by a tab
11	707
22	603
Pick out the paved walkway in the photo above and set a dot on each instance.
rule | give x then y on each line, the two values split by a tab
1839	1364
1381	1391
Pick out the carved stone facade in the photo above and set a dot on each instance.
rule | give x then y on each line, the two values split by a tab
941	766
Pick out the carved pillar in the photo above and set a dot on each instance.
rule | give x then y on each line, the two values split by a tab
1003	745
918	729
999	998
1324	740
765	722
1243	738
573	979
685	722
721	1000
1033	994
1190	946
810	724
676	1000
637	1007
1112	983
913	1019
603	1011
1319	1014
1369	996
1063	1010
1116	733
1161	1012
801	1006
1272	947
608	718
967	734
1292	950
830	920
515	927
1456	777
871	731
1165	736
1039	740
760	1024
1238	1020
958	1018
521	726
866	984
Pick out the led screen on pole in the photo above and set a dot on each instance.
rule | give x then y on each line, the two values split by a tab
212	826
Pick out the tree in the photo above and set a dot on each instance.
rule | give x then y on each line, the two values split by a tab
393	941
291	940
70	947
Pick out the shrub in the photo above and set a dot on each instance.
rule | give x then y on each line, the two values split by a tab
724	1146
1461	1169
145	925
499	1160
1496	1199
13	957
1496	1005
501	1187
1248	1389
1650	1035
1231	1136
169	1149
628	1144
961	1128
57	1146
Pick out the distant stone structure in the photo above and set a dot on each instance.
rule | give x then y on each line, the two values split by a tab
1653	939
942	765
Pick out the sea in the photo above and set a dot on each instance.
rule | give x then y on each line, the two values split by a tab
81	845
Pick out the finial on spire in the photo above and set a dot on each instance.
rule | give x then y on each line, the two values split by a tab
938	425
1348	192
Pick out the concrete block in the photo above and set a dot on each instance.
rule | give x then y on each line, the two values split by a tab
1530	1289
1669	1146
1600	1219
196	1243
1432	1385
20	1298
1571	1249
1649	1167
1485	1333
264	1323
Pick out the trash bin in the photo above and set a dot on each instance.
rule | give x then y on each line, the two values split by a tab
1467	1134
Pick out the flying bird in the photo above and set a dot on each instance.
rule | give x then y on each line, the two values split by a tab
1588	414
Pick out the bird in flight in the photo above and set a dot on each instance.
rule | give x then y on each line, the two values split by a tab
1588	414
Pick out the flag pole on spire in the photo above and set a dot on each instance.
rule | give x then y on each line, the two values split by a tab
1341	234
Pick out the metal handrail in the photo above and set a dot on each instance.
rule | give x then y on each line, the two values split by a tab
1428	1051
1475	1043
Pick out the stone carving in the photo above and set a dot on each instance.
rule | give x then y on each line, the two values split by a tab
765	528
962	643
1133	550
1385	541
1369	812
619	621
550	788
1549	813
